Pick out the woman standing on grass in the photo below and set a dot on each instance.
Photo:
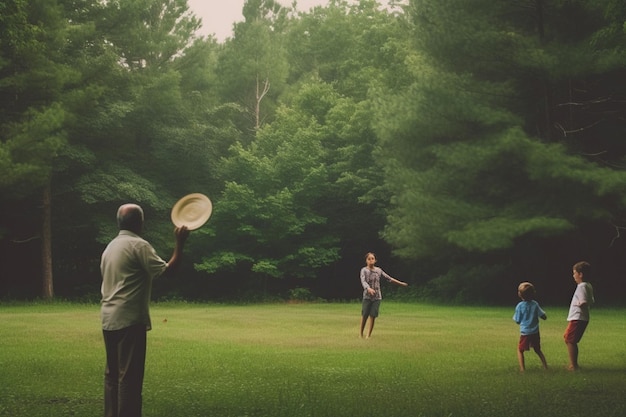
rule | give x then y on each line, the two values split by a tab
370	280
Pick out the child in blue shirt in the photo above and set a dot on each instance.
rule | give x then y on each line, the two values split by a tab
527	314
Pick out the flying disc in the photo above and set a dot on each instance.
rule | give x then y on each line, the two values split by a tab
193	210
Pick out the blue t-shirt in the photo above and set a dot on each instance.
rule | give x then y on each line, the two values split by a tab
527	315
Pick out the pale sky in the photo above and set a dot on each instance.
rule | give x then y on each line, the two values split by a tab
218	16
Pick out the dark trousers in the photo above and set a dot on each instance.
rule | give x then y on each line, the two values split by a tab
123	375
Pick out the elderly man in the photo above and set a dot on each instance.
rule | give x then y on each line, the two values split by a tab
128	265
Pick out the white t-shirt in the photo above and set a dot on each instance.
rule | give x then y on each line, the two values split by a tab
582	295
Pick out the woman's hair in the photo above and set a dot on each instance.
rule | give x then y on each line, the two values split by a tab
526	291
367	255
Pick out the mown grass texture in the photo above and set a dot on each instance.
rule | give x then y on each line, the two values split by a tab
294	360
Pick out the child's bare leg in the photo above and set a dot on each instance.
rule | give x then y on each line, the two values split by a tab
363	321
372	319
520	359
542	357
572	350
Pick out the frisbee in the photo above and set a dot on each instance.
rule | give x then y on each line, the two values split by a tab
193	210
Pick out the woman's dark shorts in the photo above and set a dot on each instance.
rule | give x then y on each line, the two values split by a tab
370	308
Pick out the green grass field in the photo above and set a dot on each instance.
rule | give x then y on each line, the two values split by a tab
291	360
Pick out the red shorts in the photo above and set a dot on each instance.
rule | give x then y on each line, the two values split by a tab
527	341
575	330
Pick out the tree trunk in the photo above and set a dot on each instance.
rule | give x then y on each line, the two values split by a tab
259	97
46	244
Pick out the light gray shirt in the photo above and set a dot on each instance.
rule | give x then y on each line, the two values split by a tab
370	278
128	266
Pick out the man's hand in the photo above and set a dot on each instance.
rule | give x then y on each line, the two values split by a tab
181	233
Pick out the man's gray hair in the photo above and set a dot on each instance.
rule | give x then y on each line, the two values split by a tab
130	217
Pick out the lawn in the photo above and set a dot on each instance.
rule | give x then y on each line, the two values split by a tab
291	360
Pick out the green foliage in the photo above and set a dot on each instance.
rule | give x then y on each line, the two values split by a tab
470	285
263	218
318	135
117	184
477	164
220	261
30	146
148	33
88	94
348	44
33	76
291	199
252	67
301	294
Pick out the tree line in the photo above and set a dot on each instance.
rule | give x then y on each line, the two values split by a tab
471	145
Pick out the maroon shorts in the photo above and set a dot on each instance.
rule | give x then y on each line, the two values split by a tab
575	330
527	341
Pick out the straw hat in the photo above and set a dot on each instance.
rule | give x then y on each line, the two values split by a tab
193	210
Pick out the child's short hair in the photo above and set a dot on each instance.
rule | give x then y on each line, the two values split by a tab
583	268
526	291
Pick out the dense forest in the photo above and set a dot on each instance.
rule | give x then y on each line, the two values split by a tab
471	145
